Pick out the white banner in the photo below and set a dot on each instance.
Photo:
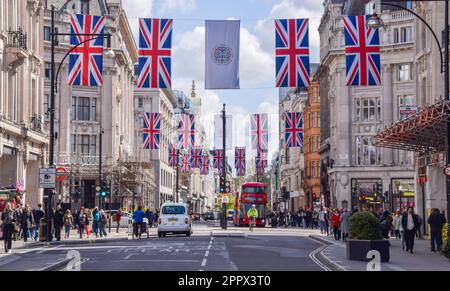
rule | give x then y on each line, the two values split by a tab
218	132
222	54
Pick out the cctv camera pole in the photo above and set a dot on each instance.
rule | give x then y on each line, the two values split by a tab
224	169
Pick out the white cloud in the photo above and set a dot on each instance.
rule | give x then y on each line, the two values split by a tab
135	9
183	6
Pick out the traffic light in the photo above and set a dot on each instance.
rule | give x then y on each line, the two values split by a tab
284	193
104	191
379	188
222	184
227	187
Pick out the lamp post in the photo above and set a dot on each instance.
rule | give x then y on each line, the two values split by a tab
375	22
48	192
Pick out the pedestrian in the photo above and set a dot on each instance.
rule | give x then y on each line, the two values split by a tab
68	223
410	222
95	221
18	225
81	221
102	223
117	217
27	221
8	226
322	220
58	221
345	225
397	221
335	221
138	217
418	232
308	217
386	224
38	215
149	215
156	216
301	215
436	221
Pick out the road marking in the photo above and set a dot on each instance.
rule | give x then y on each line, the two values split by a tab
207	253
209	246
48	249
204	262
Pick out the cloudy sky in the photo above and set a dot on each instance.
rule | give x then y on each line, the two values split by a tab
258	93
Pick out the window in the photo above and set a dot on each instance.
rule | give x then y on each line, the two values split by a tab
83	144
366	152
318	119
47	71
73	110
313	169
368	109
47	33
288	156
140	102
93	144
406	34
396	35
74	143
46	104
93	109
311	120
403	72
84	7
83	108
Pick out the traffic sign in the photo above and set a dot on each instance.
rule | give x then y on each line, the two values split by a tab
47	177
447	171
61	174
225	198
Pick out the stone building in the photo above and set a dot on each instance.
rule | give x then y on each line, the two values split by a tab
355	167
83	113
23	141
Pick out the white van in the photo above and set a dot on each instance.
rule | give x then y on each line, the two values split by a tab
174	218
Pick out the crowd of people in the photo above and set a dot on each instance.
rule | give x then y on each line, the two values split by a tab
403	225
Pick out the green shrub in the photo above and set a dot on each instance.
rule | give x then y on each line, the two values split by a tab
364	226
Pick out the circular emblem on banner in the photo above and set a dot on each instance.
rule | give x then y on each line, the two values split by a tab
222	54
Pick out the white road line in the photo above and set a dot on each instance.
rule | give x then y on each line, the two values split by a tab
209	247
207	253
204	262
48	249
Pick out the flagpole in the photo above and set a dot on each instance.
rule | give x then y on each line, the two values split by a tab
224	169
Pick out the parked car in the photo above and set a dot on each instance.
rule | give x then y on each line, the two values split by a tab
174	218
209	216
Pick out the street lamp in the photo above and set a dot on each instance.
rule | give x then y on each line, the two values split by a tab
376	22
48	192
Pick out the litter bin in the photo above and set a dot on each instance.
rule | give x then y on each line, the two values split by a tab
43	230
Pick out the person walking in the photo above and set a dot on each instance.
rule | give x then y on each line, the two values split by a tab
117	217
418	228
410	222
8	226
38	215
68	223
18	225
81	221
58	221
138	217
27	221
102	224
345	225
322	220
436	220
335	222
397	221
95	221
386	224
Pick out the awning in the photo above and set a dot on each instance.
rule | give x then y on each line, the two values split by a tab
425	131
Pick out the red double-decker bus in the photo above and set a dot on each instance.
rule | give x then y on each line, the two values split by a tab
251	193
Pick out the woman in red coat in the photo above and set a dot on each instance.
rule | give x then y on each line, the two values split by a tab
336	222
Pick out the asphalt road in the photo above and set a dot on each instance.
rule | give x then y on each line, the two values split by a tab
263	250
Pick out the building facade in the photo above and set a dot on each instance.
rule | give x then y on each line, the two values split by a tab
311	125
23	140
360	174
86	114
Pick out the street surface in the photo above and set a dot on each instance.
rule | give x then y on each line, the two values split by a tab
263	250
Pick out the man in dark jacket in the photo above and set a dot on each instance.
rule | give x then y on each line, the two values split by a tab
436	222
58	221
410	223
38	214
27	222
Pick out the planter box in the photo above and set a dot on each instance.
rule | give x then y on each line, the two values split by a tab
357	249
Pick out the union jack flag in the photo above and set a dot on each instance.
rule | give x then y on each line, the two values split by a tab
239	161
204	169
185	164
155	50
20	185
261	162
217	159
292	53
259	131
173	156
86	60
186	132
362	52
293	128
196	157
152	130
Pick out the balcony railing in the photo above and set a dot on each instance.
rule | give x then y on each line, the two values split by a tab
400	15
17	39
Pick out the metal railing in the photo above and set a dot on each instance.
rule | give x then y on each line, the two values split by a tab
17	39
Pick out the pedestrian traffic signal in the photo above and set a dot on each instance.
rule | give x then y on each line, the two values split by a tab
227	187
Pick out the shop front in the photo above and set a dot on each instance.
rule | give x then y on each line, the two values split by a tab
403	193
367	193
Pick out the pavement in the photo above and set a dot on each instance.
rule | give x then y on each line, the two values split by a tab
264	249
422	259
